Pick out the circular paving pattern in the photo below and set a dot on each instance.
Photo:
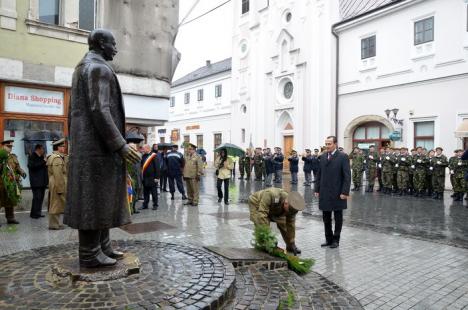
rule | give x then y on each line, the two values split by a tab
171	276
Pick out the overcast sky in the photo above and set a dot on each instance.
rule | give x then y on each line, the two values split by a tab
207	38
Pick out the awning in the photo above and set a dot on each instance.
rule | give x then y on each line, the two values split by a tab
462	130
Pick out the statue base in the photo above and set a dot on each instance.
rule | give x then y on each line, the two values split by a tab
71	269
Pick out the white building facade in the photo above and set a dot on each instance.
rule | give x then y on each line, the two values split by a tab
283	72
408	57
200	109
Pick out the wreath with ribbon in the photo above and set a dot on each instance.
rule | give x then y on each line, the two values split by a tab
9	179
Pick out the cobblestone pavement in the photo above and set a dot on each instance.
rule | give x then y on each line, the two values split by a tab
381	267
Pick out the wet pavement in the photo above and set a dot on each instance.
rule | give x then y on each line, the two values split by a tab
395	253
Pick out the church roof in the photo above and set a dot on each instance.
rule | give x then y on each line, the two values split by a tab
353	8
208	70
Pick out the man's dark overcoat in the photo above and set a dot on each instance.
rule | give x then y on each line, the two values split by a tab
333	179
96	195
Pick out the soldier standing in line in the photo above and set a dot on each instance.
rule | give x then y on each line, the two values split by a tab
387	165
420	162
459	169
242	160
278	159
13	168
258	164
411	173
193	170
293	166
307	159
429	173
371	162
357	167
451	166
277	205
379	169
402	165
245	165
395	155
438	174
57	170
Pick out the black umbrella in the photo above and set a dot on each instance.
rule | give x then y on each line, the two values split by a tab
134	137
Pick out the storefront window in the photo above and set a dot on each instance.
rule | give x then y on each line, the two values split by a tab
27	134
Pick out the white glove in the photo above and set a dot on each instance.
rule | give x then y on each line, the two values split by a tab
412	166
387	158
403	159
371	157
452	172
365	161
380	165
431	168
439	163
459	163
419	161
396	165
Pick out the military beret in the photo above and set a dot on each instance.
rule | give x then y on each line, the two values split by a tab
296	201
439	148
59	142
307	150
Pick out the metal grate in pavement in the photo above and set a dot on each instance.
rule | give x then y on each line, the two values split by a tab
146	227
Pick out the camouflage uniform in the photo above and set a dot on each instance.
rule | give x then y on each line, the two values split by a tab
14	166
420	162
460	167
451	166
357	167
371	162
387	163
403	165
267	206
244	166
429	175
258	166
438	175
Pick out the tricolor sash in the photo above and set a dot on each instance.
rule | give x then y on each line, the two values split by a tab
147	162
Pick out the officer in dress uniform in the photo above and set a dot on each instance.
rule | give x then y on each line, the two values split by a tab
276	205
57	170
193	170
16	171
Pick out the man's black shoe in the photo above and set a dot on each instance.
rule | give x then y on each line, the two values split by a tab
184	197
188	203
220	199
226	203
143	208
294	249
172	197
12	221
326	244
155	207
334	245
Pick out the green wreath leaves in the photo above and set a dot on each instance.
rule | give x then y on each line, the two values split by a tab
9	179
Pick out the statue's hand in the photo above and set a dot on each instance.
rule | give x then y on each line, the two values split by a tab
131	155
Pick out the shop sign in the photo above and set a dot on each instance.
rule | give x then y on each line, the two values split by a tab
193	127
31	100
175	135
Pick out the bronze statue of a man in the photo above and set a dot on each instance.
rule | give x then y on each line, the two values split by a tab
96	196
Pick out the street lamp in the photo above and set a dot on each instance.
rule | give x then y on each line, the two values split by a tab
394	118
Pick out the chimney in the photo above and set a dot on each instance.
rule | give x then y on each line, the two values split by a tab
208	63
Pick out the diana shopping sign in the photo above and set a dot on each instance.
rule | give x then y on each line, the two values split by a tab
31	100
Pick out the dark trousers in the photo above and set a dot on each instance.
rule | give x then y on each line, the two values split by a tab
153	190
93	243
163	184
219	182
331	236
178	182
38	199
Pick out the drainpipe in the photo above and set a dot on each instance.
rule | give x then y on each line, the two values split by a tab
337	77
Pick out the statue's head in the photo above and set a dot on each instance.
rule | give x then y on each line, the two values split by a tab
102	41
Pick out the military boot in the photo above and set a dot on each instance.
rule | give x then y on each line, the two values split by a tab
400	192
435	195
457	197
441	196
371	189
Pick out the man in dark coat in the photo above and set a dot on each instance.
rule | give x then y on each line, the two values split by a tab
332	189
97	177
175	167
151	171
38	179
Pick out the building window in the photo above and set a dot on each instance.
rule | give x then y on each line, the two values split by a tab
200	95
86	14
200	141
218	90
172	102
218	139
424	134
424	31
245	6
243	135
288	90
368	49
187	98
187	138
49	11
371	133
